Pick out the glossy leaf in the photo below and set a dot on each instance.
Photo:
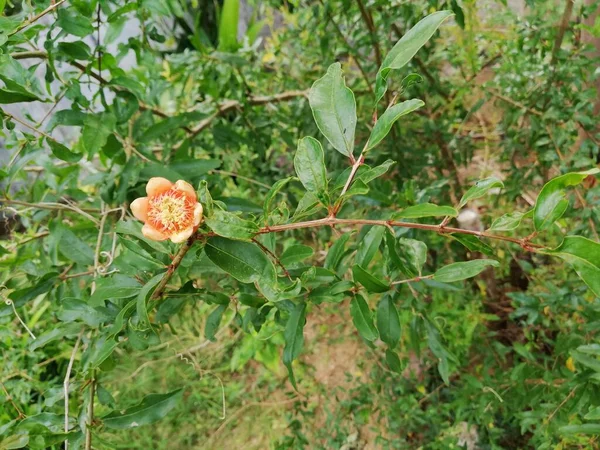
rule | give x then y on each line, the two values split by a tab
463	270
388	322
480	189
393	361
584	256
510	221
213	321
309	163
231	225
369	245
62	152
96	129
151	409
296	253
388	118
334	109
294	337
244	261
362	316
407	47
368	281
426	210
473	243
552	201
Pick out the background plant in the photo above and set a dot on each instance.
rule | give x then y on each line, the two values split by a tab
362	249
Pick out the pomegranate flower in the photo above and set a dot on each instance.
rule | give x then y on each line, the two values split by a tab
170	211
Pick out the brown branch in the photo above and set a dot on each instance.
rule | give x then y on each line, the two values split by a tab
368	19
564	23
273	256
160	288
37	17
413	280
332	221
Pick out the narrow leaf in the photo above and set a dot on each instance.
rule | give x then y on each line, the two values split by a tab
231	226
151	409
388	118
388	322
362	316
463	270
407	47
480	189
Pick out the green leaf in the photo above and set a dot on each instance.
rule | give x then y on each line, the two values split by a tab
74	310
334	109
20	85
228	25
510	221
463	270
434	341
369	245
586	428
594	414
231	226
244	261
584	256
270	197
67	118
294	338
73	248
388	322
552	202
408	255
134	228
309	163
480	189
407	47
62	152
588	361
368	281
142	298
375	172
213	321
296	253
96	129
393	361
336	252
100	350
78	50
388	118
473	243
362	317
426	210
74	23
151	409
15	441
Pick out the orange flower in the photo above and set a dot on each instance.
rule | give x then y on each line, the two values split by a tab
171	210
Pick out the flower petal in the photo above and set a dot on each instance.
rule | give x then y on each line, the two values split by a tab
182	236
186	187
157	185
139	208
153	234
197	214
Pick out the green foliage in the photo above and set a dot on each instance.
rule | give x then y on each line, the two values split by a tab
317	271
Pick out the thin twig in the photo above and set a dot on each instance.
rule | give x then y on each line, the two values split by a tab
564	23
413	280
273	256
66	383
158	291
12	401
35	18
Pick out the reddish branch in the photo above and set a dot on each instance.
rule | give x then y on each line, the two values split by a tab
332	222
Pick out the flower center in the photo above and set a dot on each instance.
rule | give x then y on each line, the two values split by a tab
171	211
